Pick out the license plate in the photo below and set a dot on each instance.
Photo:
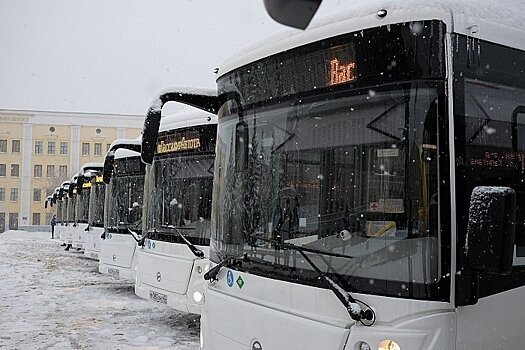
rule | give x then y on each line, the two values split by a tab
158	297
94	255
114	272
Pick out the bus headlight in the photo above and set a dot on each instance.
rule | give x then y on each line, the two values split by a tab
197	296
388	345
363	346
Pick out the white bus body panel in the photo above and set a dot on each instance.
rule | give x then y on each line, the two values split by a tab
79	236
495	322
93	240
170	273
117	256
282	315
66	234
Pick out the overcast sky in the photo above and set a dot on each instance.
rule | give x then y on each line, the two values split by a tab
113	56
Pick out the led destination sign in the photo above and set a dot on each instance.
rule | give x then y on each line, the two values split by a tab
178	145
194	139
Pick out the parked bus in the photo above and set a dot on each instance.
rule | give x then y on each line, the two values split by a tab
177	208
124	176
70	194
368	182
60	200
83	194
95	229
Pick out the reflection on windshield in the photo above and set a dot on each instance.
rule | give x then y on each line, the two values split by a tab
125	202
181	194
353	175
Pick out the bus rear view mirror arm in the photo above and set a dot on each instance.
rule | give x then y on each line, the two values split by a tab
491	229
207	100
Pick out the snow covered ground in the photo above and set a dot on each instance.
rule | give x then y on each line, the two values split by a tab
56	299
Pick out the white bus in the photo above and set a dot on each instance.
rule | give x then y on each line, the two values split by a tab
83	194
124	176
60	200
369	183
70	196
95	229
177	207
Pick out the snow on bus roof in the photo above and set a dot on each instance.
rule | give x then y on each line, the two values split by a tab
125	153
188	117
495	21
117	142
93	166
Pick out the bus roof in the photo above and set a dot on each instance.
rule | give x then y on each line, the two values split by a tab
496	21
186	118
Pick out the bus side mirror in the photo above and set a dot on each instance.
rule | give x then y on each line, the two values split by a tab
491	228
292	13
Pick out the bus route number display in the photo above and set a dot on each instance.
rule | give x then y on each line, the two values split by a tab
342	67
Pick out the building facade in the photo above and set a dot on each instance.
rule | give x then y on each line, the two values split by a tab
39	150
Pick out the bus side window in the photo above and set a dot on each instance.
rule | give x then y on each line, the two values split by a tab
518	140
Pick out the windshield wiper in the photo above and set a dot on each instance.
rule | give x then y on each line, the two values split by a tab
351	304
196	251
231	261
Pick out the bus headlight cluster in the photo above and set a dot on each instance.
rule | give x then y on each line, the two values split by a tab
383	345
388	345
197	297
363	346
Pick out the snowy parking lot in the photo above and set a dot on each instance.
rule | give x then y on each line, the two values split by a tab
56	299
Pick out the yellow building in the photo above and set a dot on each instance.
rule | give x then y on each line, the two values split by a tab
39	150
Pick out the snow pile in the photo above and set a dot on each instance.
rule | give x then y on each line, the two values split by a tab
56	299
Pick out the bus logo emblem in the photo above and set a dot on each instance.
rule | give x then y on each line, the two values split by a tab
229	278
240	282
159	277
256	345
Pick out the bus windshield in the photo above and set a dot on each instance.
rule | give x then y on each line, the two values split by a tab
97	204
181	197
353	176
83	206
125	203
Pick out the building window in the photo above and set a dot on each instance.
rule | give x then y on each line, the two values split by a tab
37	170
15	170
51	147
13	221
50	171
14	195
2	169
108	146
2	194
3	146
39	145
98	149
37	195
15	146
63	147
36	218
62	170
85	149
